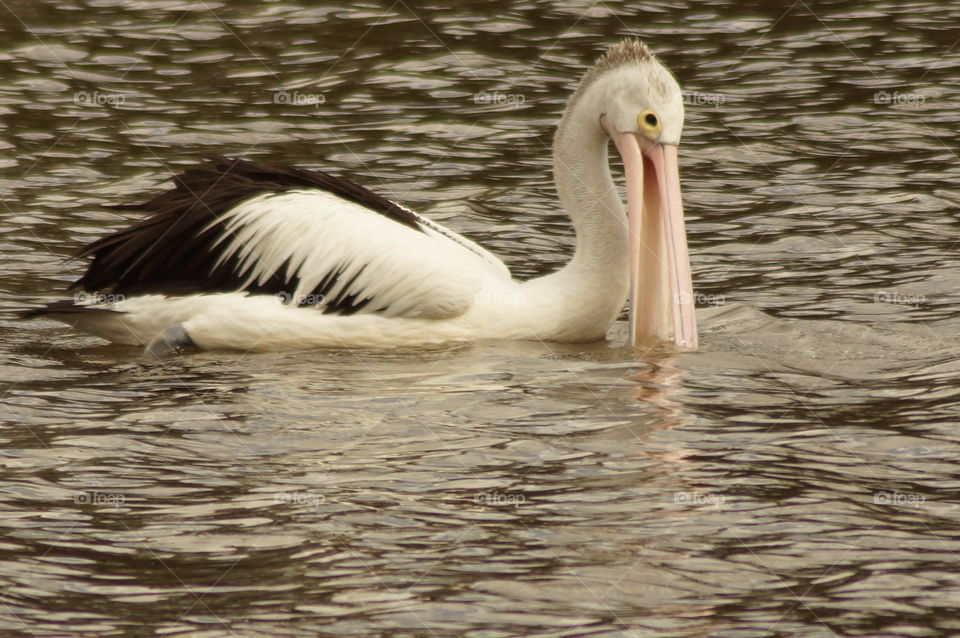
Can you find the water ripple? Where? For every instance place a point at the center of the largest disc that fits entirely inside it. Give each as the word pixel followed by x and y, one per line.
pixel 795 477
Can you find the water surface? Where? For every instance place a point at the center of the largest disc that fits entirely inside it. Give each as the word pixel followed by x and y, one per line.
pixel 796 477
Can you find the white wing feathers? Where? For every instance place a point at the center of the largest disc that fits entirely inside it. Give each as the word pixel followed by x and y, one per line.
pixel 330 249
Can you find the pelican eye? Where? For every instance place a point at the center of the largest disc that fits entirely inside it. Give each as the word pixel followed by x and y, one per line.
pixel 648 122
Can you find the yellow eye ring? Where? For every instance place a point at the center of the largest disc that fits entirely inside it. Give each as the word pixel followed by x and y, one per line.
pixel 649 122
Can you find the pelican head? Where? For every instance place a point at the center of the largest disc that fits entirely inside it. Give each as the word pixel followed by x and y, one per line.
pixel 639 106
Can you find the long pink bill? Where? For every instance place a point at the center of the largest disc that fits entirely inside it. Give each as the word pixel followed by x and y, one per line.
pixel 661 304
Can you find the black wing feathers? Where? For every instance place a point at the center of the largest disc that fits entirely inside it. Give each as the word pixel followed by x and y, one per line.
pixel 175 250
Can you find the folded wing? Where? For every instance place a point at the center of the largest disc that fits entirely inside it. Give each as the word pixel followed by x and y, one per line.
pixel 312 239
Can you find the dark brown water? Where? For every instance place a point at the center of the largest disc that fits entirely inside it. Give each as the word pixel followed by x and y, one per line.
pixel 797 477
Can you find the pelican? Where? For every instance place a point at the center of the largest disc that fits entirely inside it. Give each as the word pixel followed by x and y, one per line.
pixel 243 256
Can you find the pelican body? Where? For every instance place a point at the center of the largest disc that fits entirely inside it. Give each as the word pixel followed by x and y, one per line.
pixel 242 256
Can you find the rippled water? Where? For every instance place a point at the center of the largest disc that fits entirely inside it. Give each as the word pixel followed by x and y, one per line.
pixel 796 477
